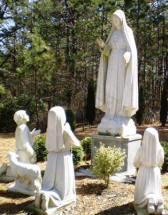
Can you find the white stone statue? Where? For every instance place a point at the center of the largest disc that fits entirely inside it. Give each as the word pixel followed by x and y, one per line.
pixel 58 186
pixel 24 138
pixel 24 142
pixel 149 159
pixel 27 176
pixel 117 84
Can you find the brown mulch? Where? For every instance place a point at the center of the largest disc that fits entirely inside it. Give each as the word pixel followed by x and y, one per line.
pixel 86 131
pixel 92 195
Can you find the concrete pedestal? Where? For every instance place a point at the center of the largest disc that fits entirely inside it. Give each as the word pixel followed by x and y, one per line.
pixel 130 144
pixel 17 187
pixel 118 125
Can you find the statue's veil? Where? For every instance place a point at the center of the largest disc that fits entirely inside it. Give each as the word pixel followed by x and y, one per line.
pixel 55 127
pixel 151 147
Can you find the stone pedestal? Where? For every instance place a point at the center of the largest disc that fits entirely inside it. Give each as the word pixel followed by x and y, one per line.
pixel 130 144
pixel 121 126
pixel 17 187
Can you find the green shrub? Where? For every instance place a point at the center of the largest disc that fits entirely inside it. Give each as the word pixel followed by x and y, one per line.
pixel 7 111
pixel 2 90
pixel 39 147
pixel 87 147
pixel 165 164
pixel 11 105
pixel 108 161
pixel 71 119
pixel 77 153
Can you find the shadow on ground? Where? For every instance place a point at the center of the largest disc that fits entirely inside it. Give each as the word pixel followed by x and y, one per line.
pixel 91 188
pixel 12 208
pixel 166 187
pixel 7 135
pixel 127 209
pixel 12 195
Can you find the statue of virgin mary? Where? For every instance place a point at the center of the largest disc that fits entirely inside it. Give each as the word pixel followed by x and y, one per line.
pixel 117 84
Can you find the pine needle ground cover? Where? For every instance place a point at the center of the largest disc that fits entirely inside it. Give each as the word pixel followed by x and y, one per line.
pixel 92 195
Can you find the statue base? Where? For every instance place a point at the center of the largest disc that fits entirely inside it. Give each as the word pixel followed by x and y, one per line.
pixel 18 188
pixel 129 144
pixel 117 126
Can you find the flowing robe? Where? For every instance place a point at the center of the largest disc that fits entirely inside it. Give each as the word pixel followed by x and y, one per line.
pixel 149 158
pixel 117 83
pixel 59 179
pixel 24 142
pixel 116 71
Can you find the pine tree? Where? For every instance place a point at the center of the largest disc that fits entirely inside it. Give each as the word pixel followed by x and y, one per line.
pixel 51 55
pixel 163 110
pixel 140 115
pixel 90 107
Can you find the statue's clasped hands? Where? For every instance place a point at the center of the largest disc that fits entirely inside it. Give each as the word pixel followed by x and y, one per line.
pixel 127 56
pixel 35 132
pixel 100 43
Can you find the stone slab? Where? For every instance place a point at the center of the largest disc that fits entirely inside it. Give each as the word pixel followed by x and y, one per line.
pixel 19 189
pixel 130 144
pixel 84 173
pixel 122 126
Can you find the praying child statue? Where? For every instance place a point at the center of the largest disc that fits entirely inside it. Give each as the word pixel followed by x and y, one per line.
pixel 24 138
pixel 58 186
pixel 149 159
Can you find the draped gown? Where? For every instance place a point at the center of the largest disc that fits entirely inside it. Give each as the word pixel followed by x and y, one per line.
pixel 59 179
pixel 148 159
pixel 116 73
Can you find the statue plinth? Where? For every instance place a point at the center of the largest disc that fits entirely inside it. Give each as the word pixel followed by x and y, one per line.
pixel 121 126
pixel 130 144
pixel 18 187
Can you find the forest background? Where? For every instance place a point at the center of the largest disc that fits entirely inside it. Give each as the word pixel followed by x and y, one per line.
pixel 49 56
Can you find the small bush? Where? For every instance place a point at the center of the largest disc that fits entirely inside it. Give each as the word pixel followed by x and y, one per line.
pixel 87 147
pixel 77 153
pixel 165 164
pixel 39 147
pixel 108 161
pixel 2 90
pixel 11 105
